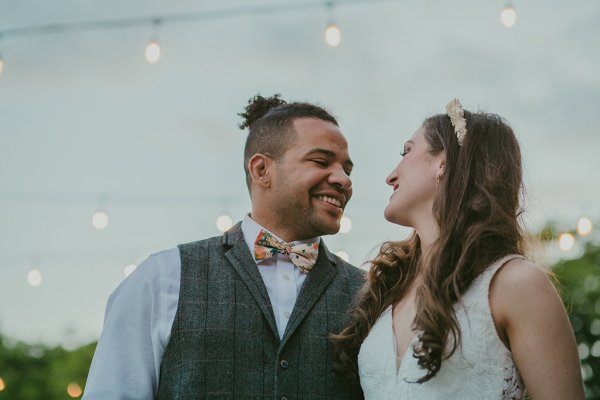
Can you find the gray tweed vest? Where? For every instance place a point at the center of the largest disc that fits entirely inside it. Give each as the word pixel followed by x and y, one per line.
pixel 224 342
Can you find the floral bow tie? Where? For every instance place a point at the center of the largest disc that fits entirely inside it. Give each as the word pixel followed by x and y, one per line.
pixel 303 256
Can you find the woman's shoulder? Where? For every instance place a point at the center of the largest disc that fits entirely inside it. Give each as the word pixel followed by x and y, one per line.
pixel 519 274
pixel 517 288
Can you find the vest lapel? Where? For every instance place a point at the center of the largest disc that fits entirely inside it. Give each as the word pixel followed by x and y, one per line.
pixel 242 261
pixel 315 284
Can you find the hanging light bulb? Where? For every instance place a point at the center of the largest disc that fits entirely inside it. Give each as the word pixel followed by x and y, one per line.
pixel 508 16
pixel 152 52
pixel 100 220
pixel 153 48
pixel 34 277
pixel 333 35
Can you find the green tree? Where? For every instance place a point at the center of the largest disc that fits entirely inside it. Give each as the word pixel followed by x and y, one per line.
pixel 579 284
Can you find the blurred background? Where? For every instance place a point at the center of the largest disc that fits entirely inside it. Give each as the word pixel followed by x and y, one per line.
pixel 119 138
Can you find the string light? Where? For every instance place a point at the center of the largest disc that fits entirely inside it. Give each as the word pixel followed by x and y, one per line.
pixel 129 268
pixel 584 226
pixel 566 241
pixel 100 220
pixel 34 277
pixel 224 222
pixel 333 35
pixel 153 47
pixel 345 225
pixel 152 52
pixel 343 255
pixel 74 390
pixel 2 384
pixel 508 16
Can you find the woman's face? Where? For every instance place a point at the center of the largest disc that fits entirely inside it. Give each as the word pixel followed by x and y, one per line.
pixel 414 183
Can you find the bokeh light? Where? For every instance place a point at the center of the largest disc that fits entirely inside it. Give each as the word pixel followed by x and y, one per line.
pixel 224 222
pixel 343 255
pixel 129 268
pixel 508 16
pixel 333 35
pixel 34 277
pixel 345 225
pixel 152 52
pixel 584 226
pixel 100 220
pixel 566 241
pixel 74 390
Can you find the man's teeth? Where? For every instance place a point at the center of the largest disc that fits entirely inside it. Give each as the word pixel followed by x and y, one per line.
pixel 331 200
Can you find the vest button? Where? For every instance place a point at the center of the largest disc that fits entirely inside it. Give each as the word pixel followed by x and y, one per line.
pixel 284 364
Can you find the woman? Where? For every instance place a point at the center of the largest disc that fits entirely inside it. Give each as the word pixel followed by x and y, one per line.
pixel 456 311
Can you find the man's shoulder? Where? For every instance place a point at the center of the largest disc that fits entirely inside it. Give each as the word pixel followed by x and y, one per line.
pixel 201 243
pixel 349 270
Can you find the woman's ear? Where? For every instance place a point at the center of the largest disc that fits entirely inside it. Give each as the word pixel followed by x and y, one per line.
pixel 259 167
pixel 442 167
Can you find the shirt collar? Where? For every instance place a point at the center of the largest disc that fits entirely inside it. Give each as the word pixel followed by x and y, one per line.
pixel 251 229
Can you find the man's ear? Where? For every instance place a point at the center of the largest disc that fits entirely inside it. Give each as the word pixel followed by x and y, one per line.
pixel 259 168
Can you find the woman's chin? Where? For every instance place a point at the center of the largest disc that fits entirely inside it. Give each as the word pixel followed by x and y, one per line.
pixel 390 215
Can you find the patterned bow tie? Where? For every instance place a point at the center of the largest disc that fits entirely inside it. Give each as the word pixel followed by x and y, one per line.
pixel 303 256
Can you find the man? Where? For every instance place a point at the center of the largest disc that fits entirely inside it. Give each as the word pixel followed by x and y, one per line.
pixel 246 315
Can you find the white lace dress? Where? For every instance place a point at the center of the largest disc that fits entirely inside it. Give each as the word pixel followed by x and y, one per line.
pixel 481 368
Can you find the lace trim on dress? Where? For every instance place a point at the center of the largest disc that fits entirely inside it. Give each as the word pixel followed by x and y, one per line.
pixel 513 384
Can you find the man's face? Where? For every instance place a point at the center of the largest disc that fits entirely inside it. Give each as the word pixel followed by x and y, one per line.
pixel 311 182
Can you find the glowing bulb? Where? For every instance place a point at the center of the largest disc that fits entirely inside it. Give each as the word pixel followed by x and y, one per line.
pixel 100 220
pixel 333 36
pixel 584 226
pixel 566 241
pixel 34 277
pixel 343 255
pixel 508 17
pixel 345 225
pixel 129 268
pixel 152 52
pixel 224 222
pixel 74 390
pixel 1 65
pixel 2 385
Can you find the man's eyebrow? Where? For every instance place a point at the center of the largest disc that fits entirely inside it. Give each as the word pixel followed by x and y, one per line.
pixel 409 142
pixel 329 154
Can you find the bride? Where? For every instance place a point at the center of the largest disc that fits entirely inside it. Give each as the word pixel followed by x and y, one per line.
pixel 456 311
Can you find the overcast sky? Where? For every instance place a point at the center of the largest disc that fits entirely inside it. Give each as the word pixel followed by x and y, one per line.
pixel 87 123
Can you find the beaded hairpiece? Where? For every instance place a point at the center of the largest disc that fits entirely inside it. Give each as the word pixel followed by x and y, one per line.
pixel 457 117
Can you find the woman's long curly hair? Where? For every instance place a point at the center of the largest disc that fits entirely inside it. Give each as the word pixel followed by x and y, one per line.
pixel 477 208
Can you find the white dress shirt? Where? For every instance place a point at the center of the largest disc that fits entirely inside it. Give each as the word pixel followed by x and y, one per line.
pixel 140 313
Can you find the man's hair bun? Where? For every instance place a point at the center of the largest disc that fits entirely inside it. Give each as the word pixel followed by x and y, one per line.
pixel 258 107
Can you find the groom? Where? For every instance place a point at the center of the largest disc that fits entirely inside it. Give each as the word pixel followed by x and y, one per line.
pixel 246 315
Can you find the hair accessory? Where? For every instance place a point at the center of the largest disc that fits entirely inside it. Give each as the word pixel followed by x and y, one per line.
pixel 457 117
